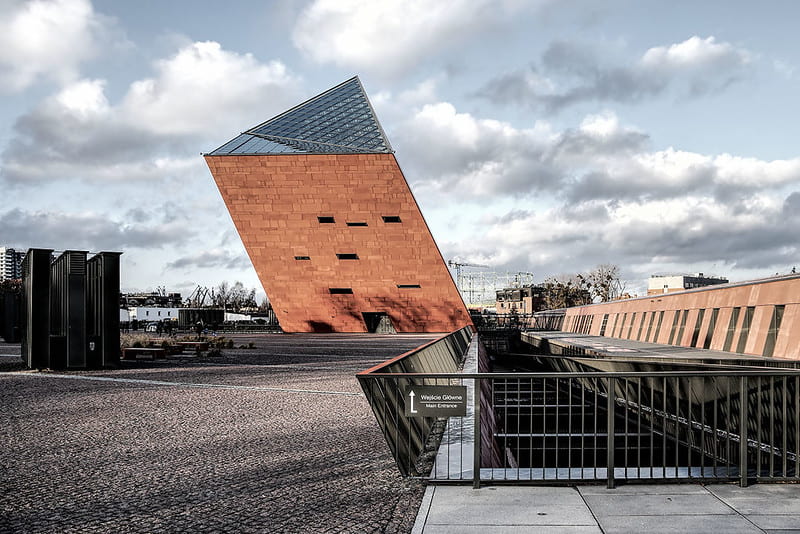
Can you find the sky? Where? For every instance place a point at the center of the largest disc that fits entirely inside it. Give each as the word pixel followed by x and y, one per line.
pixel 543 136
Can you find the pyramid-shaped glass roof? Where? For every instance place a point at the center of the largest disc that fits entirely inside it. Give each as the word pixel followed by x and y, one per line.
pixel 338 121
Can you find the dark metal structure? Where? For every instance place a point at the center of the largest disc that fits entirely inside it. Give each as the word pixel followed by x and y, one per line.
pixel 410 438
pixel 36 308
pixel 10 317
pixel 207 317
pixel 592 420
pixel 70 310
pixel 102 290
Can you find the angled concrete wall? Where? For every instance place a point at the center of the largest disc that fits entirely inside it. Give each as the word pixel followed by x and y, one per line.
pixel 276 202
pixel 759 317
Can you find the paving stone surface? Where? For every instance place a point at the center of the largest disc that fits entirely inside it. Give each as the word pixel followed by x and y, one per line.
pixel 261 450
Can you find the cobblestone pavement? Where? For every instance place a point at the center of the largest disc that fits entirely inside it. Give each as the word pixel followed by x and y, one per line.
pixel 261 448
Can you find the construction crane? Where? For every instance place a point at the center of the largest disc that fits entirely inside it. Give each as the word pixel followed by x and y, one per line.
pixel 457 266
pixel 480 287
pixel 467 293
pixel 198 297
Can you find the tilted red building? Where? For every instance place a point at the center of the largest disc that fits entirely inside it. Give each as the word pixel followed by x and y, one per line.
pixel 330 224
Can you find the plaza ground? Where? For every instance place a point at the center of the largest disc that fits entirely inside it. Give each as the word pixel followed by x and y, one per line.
pixel 277 438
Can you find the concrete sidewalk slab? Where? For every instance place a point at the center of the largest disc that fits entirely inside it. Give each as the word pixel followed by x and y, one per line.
pixel 782 499
pixel 630 524
pixel 667 508
pixel 772 507
pixel 504 509
pixel 674 503
pixel 640 489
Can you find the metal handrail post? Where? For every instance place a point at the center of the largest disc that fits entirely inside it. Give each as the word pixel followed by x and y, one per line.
pixel 476 451
pixel 743 431
pixel 611 388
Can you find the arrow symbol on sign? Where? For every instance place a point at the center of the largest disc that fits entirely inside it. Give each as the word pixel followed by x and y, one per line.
pixel 412 395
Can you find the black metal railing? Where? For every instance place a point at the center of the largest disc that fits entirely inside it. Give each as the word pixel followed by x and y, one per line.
pixel 549 320
pixel 413 441
pixel 591 426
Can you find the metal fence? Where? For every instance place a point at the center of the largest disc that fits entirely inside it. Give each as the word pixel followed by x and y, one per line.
pixel 593 426
pixel 541 320
pixel 413 441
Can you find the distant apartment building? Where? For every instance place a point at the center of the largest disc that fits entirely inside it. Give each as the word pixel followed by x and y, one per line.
pixel 11 263
pixel 671 283
pixel 525 299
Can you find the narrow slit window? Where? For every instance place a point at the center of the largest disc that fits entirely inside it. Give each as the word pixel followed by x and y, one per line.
pixel 347 256
pixel 681 327
pixel 326 220
pixel 745 333
pixel 675 319
pixel 341 290
pixel 712 324
pixel 408 286
pixel 650 326
pixel 302 258
pixel 774 328
pixel 731 329
pixel 391 219
pixel 622 326
pixel 658 326
pixel 697 325
pixel 641 326
pixel 630 326
pixel 357 224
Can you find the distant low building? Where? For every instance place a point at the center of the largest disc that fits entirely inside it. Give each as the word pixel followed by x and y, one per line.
pixel 525 299
pixel 152 313
pixel 11 263
pixel 670 283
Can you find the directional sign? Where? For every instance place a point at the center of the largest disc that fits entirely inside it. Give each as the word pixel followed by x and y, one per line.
pixel 435 401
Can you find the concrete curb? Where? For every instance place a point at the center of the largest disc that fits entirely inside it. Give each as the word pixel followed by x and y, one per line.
pixel 424 508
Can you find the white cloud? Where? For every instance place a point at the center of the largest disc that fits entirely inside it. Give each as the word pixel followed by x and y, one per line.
pixel 601 125
pixel 203 87
pixel 569 73
pixel 695 52
pixel 461 156
pixel 46 39
pixel 90 230
pixel 638 235
pixel 466 155
pixel 200 97
pixel 751 172
pixel 390 36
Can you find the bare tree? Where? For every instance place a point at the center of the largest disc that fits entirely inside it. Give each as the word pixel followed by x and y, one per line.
pixel 234 297
pixel 565 291
pixel 603 282
pixel 221 295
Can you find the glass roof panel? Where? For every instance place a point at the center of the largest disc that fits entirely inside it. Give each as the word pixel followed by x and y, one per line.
pixel 340 120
